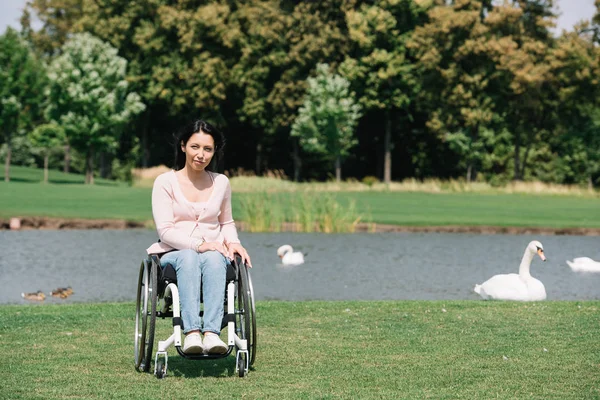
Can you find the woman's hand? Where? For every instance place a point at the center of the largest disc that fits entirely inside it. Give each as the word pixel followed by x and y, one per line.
pixel 239 249
pixel 216 246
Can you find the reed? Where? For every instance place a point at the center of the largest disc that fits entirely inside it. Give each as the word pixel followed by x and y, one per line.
pixel 302 212
pixel 262 212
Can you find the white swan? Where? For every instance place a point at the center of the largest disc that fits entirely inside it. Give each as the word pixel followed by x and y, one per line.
pixel 521 286
pixel 584 264
pixel 289 256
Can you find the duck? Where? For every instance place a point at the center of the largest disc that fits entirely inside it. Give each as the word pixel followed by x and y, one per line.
pixel 584 264
pixel 37 296
pixel 289 256
pixel 519 287
pixel 63 293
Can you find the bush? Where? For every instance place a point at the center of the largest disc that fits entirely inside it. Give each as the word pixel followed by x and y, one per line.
pixel 370 180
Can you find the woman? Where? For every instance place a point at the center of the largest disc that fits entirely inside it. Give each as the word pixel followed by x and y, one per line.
pixel 191 206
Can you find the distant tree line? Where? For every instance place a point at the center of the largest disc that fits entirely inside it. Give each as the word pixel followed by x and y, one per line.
pixel 394 89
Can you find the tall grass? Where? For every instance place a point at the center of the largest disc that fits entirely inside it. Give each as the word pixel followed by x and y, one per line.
pixel 305 212
pixel 276 181
pixel 262 212
pixel 248 184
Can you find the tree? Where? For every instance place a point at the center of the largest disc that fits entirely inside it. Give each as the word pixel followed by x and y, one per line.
pixel 520 43
pixel 88 96
pixel 328 117
pixel 455 75
pixel 378 64
pixel 575 68
pixel 59 20
pixel 261 44
pixel 47 137
pixel 22 79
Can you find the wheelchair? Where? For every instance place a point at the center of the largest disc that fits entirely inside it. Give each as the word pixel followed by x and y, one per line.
pixel 158 297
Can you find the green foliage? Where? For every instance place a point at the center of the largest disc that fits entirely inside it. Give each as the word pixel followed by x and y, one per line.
pixel 22 80
pixel 60 21
pixel 22 152
pixel 370 180
pixel 48 137
pixel 89 96
pixel 422 70
pixel 488 152
pixel 326 121
pixel 21 84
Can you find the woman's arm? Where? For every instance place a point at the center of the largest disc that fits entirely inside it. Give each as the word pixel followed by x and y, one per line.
pixel 228 228
pixel 229 231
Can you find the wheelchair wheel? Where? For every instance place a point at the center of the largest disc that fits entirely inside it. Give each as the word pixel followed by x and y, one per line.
pixel 241 365
pixel 246 318
pixel 145 316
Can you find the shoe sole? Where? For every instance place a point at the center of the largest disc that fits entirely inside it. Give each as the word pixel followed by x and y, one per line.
pixel 216 350
pixel 194 350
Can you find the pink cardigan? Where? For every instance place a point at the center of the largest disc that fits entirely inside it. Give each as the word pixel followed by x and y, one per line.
pixel 178 223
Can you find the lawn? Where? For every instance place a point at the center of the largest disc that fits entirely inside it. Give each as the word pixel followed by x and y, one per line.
pixel 66 197
pixel 325 350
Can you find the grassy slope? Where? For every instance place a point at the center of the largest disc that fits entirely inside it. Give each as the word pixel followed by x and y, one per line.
pixel 407 208
pixel 66 197
pixel 406 349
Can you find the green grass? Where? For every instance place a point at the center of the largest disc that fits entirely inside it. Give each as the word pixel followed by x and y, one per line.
pixel 524 210
pixel 325 350
pixel 67 198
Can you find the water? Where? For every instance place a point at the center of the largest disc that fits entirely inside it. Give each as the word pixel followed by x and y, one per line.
pixel 103 265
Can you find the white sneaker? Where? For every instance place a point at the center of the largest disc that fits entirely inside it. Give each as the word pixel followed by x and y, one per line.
pixel 214 345
pixel 193 344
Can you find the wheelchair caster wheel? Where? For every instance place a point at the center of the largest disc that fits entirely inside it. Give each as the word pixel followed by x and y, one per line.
pixel 241 366
pixel 161 370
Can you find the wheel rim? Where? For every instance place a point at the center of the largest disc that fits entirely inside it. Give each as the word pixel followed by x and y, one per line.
pixel 141 317
pixel 246 314
pixel 252 319
pixel 151 298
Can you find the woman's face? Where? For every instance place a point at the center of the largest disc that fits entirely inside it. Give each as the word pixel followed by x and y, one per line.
pixel 199 151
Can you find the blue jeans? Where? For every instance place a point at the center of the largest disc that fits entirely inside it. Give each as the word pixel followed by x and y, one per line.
pixel 208 269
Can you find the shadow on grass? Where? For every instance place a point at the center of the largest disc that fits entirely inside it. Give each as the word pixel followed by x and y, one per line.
pixel 62 181
pixel 22 180
pixel 70 182
pixel 220 367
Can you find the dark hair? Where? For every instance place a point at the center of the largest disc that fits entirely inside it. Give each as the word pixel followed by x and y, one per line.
pixel 199 126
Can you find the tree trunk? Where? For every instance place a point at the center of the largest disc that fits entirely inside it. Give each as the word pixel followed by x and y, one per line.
pixel 46 157
pixel 297 161
pixel 104 165
pixel 524 162
pixel 144 140
pixel 387 150
pixel 469 169
pixel 590 182
pixel 67 161
pixel 89 168
pixel 517 159
pixel 7 163
pixel 258 159
pixel 338 169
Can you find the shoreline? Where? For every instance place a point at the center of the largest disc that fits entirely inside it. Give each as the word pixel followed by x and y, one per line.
pixel 48 223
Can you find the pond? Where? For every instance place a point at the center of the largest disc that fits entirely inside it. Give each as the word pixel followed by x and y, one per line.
pixel 103 265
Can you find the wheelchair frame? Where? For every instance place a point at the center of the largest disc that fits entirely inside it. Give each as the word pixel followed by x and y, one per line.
pixel 158 296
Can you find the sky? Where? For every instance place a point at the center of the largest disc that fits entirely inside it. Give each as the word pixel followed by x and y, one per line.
pixel 572 11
